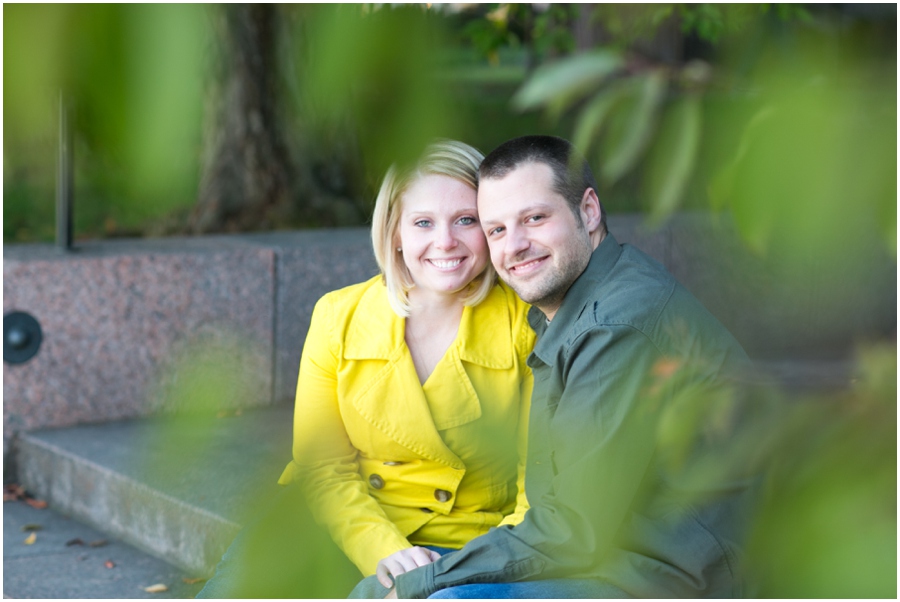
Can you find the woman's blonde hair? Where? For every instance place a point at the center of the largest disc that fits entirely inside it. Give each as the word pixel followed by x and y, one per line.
pixel 443 158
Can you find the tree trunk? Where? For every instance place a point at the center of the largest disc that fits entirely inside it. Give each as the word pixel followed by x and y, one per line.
pixel 245 182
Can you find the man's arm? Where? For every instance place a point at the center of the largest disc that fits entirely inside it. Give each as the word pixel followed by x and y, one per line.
pixel 600 444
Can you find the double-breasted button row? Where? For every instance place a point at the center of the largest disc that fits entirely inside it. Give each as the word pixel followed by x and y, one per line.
pixel 441 495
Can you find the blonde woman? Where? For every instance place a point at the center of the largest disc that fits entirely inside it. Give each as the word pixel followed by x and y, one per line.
pixel 413 392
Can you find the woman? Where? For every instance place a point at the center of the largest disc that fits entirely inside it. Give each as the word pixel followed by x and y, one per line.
pixel 409 381
pixel 413 391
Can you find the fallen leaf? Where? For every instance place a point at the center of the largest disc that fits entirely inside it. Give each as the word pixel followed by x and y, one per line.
pixel 98 544
pixel 12 491
pixel 192 580
pixel 32 527
pixel 75 542
pixel 665 367
pixel 31 539
pixel 39 504
pixel 159 587
pixel 109 564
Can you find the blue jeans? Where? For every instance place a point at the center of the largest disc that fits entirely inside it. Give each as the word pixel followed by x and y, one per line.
pixel 546 589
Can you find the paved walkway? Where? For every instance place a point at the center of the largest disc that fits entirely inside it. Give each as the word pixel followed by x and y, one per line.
pixel 62 562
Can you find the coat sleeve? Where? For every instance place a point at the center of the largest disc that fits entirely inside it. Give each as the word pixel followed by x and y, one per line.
pixel 325 461
pixel 600 445
pixel 524 338
pixel 522 449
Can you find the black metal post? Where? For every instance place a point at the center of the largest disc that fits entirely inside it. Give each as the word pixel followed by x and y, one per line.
pixel 65 178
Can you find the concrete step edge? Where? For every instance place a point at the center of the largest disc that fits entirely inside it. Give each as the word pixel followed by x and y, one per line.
pixel 182 534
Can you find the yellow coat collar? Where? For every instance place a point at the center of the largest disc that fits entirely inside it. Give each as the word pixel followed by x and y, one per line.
pixel 485 335
pixel 394 401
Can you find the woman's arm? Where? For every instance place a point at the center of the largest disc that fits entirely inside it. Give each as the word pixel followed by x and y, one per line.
pixel 325 461
pixel 522 448
pixel 523 338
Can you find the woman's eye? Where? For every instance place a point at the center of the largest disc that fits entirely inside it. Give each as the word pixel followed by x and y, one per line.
pixel 466 221
pixel 422 223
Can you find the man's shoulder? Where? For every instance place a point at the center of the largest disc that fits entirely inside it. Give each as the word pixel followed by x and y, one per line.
pixel 634 293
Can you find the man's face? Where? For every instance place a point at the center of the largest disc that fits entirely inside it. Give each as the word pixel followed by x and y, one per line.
pixel 537 244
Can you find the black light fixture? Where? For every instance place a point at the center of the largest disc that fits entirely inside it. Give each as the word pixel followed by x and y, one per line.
pixel 22 337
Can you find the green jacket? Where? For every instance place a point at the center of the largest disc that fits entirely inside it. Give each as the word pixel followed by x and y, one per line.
pixel 609 500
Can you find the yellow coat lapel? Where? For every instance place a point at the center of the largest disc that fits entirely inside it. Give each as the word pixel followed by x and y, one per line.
pixel 484 339
pixel 393 400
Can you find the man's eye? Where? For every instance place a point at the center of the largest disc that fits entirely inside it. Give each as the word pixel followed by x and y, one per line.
pixel 535 218
pixel 466 221
pixel 495 231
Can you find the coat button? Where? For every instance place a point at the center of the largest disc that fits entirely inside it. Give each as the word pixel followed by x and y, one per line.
pixel 376 481
pixel 442 495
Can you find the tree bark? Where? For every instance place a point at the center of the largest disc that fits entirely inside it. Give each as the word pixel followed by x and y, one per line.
pixel 245 182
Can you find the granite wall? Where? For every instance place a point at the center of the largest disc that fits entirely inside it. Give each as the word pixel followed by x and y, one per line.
pixel 133 327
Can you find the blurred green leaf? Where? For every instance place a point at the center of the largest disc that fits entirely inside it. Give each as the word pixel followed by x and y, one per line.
pixel 31 87
pixel 380 69
pixel 593 116
pixel 670 163
pixel 559 84
pixel 632 126
pixel 134 75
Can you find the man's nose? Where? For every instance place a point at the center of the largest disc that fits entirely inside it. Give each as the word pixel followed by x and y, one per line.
pixel 516 242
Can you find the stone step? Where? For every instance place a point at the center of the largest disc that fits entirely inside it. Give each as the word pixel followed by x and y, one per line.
pixel 51 556
pixel 178 488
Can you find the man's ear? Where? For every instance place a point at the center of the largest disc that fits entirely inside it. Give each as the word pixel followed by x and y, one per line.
pixel 590 210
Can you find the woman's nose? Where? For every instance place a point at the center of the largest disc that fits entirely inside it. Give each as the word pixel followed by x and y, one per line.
pixel 445 239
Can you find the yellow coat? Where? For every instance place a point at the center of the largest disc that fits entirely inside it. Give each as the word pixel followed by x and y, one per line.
pixel 388 462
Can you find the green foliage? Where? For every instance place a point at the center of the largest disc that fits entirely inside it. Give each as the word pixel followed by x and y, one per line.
pixel 542 31
pixel 827 526
pixel 817 161
pixel 380 70
pixel 560 84
pixel 630 24
pixel 134 73
pixel 824 521
pixel 671 162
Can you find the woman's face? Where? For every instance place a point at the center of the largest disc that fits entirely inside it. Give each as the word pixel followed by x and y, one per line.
pixel 443 245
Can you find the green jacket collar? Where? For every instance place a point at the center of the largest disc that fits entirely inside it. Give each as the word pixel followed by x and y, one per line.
pixel 553 336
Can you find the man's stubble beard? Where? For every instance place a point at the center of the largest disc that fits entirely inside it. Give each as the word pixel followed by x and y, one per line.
pixel 548 294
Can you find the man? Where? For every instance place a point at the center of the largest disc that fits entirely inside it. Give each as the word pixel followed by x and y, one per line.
pixel 616 510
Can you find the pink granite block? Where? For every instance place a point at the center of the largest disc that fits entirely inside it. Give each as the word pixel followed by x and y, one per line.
pixel 122 321
pixel 311 264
